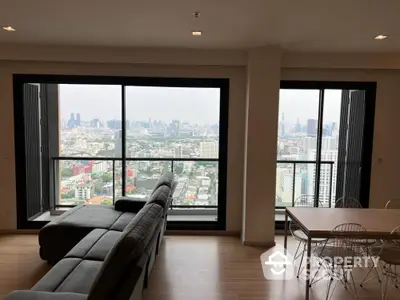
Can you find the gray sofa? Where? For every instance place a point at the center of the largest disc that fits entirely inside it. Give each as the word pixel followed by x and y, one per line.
pixel 105 264
pixel 58 237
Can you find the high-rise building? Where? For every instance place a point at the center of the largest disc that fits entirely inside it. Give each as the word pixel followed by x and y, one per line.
pixel 118 143
pixel 83 192
pixel 325 175
pixel 282 125
pixel 298 126
pixel 209 149
pixel 284 185
pixel 175 128
pixel 178 151
pixel 312 127
pixel 78 119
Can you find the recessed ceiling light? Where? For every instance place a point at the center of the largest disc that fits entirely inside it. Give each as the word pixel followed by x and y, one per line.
pixel 8 28
pixel 380 37
pixel 196 33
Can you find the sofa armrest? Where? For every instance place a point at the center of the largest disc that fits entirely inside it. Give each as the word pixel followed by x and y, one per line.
pixel 38 295
pixel 130 204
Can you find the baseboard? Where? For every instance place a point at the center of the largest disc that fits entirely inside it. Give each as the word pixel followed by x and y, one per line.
pixel 19 231
pixel 203 232
pixel 259 244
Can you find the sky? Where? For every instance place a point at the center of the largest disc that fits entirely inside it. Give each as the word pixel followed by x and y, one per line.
pixel 303 104
pixel 194 105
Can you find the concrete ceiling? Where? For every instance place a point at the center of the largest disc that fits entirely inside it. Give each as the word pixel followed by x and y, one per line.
pixel 298 25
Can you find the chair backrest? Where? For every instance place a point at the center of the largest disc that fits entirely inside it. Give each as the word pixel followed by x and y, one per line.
pixel 396 235
pixel 306 201
pixel 393 204
pixel 347 202
pixel 351 244
pixel 303 201
pixel 127 260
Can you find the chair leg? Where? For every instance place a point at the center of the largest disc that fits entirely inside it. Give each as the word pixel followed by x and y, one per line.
pixel 301 261
pixel 315 275
pixel 354 284
pixel 297 250
pixel 385 287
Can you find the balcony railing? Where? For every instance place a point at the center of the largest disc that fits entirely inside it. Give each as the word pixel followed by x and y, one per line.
pixel 296 170
pixel 114 166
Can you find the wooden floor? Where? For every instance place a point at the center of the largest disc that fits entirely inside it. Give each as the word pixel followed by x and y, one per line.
pixel 188 268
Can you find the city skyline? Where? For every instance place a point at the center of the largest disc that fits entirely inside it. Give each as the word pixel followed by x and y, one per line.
pixel 303 105
pixel 142 103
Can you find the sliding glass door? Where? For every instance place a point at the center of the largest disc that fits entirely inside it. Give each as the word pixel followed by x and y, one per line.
pixel 324 142
pixel 100 138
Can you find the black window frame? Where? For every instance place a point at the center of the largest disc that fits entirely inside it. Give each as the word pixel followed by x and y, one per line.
pixel 370 88
pixel 185 82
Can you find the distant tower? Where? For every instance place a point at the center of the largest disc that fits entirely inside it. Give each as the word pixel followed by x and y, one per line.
pixel 298 126
pixel 311 127
pixel 71 121
pixel 282 125
pixel 118 143
pixel 78 119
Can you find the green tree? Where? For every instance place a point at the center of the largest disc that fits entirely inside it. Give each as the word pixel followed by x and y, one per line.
pixel 107 202
pixel 178 169
pixel 67 172
pixel 95 176
pixel 98 188
pixel 69 195
pixel 106 177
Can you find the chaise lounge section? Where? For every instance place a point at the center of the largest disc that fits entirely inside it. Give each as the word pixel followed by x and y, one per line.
pixel 58 237
pixel 105 265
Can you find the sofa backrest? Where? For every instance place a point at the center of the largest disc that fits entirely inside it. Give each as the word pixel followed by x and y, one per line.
pixel 127 260
pixel 167 178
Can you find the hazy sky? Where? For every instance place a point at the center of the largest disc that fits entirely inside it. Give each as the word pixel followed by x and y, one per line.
pixel 303 104
pixel 194 105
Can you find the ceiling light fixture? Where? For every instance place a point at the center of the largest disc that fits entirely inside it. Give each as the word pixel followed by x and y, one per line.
pixel 196 33
pixel 196 14
pixel 380 37
pixel 8 28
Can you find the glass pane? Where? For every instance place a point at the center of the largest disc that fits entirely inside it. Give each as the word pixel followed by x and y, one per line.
pixel 172 122
pixel 142 176
pixel 197 183
pixel 85 182
pixel 329 146
pixel 297 141
pixel 90 120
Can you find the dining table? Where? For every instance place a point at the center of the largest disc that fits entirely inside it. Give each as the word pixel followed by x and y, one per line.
pixel 318 222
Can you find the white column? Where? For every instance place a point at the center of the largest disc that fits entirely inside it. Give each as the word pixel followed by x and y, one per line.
pixel 263 83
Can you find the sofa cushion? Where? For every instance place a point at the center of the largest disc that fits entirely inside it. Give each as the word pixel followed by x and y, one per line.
pixel 93 216
pixel 55 277
pixel 123 221
pixel 128 204
pixel 96 245
pixel 81 278
pixel 129 253
pixel 103 246
pixel 69 275
pixel 61 235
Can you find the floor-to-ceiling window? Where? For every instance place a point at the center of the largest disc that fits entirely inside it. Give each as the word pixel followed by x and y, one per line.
pixel 90 140
pixel 324 142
